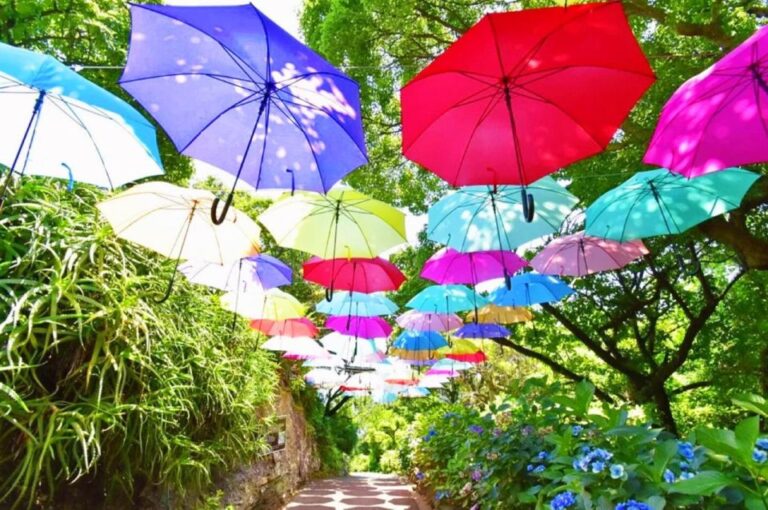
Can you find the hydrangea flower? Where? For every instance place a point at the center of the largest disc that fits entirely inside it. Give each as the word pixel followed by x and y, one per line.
pixel 563 500
pixel 617 471
pixel 685 450
pixel 477 474
pixel 477 429
pixel 687 475
pixel 593 459
pixel 542 455
pixel 669 476
pixel 762 443
pixel 759 456
pixel 576 430
pixel 598 466
pixel 430 434
pixel 420 475
pixel 633 505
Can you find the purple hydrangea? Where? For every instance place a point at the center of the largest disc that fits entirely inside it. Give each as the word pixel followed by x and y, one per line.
pixel 477 474
pixel 477 429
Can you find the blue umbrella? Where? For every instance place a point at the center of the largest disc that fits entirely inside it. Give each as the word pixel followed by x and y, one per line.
pixel 58 124
pixel 446 299
pixel 357 304
pixel 232 88
pixel 262 270
pixel 482 330
pixel 419 341
pixel 530 289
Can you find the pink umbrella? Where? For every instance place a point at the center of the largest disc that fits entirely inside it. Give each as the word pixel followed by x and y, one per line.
pixel 450 266
pixel 361 327
pixel 580 255
pixel 718 118
pixel 424 321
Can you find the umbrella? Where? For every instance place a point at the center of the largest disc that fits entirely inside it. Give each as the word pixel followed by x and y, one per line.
pixel 501 314
pixel 479 218
pixel 355 303
pixel 324 377
pixel 659 202
pixel 175 222
pixel 446 299
pixel 579 255
pixel 450 266
pixel 433 381
pixel 355 274
pixel 342 223
pixel 286 327
pixel 353 348
pixel 524 93
pixel 531 289
pixel 58 124
pixel 299 345
pixel 262 270
pixel 419 341
pixel 448 367
pixel 717 119
pixel 482 330
pixel 274 114
pixel 414 392
pixel 273 304
pixel 425 321
pixel 363 327
pixel 464 350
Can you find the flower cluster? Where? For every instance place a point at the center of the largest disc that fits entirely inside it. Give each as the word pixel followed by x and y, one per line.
pixel 592 459
pixel 760 453
pixel 477 429
pixel 669 475
pixel 430 434
pixel 685 450
pixel 633 505
pixel 576 430
pixel 477 474
pixel 535 467
pixel 563 500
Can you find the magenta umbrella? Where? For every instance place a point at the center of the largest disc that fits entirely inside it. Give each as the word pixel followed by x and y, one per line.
pixel 450 266
pixel 718 118
pixel 425 321
pixel 580 255
pixel 360 327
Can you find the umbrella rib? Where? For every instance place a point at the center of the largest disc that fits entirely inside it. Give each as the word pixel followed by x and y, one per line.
pixel 483 116
pixel 241 102
pixel 554 70
pixel 757 90
pixel 214 76
pixel 642 193
pixel 299 77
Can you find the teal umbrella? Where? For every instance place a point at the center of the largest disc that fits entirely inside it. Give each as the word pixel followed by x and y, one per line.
pixel 446 299
pixel 357 304
pixel 482 218
pixel 659 202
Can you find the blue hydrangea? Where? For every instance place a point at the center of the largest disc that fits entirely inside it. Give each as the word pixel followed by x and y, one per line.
pixel 687 475
pixel 563 500
pixel 430 434
pixel 542 455
pixel 617 471
pixel 477 429
pixel 598 466
pixel 685 450
pixel 669 476
pixel 759 456
pixel 576 430
pixel 592 459
pixel 633 505
pixel 762 443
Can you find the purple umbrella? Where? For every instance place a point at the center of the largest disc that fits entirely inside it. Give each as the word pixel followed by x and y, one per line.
pixel 450 266
pixel 232 88
pixel 425 321
pixel 360 327
pixel 482 330
pixel 718 118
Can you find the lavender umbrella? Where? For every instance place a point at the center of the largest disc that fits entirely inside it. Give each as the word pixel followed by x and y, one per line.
pixel 232 88
pixel 262 270
pixel 482 330
pixel 579 255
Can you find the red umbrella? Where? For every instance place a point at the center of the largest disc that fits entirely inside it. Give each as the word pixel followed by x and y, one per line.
pixel 354 274
pixel 475 357
pixel 360 327
pixel 524 93
pixel 301 327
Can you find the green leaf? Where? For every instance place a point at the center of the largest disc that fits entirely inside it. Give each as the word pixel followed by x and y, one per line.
pixel 661 457
pixel 704 483
pixel 14 396
pixel 752 402
pixel 656 502
pixel 747 432
pixel 585 392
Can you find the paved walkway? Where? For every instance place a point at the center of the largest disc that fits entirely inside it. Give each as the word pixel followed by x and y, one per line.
pixel 359 491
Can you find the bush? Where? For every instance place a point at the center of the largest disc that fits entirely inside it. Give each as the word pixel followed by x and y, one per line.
pixel 360 463
pixel 390 462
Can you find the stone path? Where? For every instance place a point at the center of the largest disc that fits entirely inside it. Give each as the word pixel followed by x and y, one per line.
pixel 359 491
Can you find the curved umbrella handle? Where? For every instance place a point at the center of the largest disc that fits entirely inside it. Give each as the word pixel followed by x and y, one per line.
pixel 329 294
pixel 215 218
pixel 507 280
pixel 168 289
pixel 528 205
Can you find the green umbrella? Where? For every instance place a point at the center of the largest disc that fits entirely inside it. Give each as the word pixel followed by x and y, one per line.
pixel 659 202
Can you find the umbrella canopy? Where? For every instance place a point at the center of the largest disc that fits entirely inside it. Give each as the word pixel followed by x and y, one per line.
pixel 262 270
pixel 433 381
pixel 524 93
pixel 273 304
pixel 501 314
pixel 356 303
pixel 470 357
pixel 354 274
pixel 448 367
pixel 717 119
pixel 451 266
pixel 300 345
pixel 659 202
pixel 363 327
pixel 446 299
pixel 482 330
pixel 579 255
pixel 419 341
pixel 418 358
pixel 275 113
pixel 414 392
pixel 425 321
pixel 531 289
pixel 343 223
pixel 300 327
pixel 324 377
pixel 58 124
pixel 350 348
pixel 481 218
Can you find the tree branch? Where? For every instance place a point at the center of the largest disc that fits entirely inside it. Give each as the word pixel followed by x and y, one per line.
pixel 690 387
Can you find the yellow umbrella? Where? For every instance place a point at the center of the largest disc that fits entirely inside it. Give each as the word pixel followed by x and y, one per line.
pixel 176 222
pixel 273 304
pixel 493 314
pixel 416 356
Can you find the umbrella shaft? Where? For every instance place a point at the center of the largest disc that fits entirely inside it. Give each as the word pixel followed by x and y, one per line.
pixel 516 140
pixel 35 113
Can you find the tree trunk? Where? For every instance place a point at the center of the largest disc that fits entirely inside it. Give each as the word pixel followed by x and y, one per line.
pixel 664 408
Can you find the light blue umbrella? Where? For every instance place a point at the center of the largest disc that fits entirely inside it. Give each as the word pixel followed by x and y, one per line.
pixel 530 289
pixel 482 218
pixel 58 124
pixel 659 202
pixel 419 341
pixel 357 304
pixel 446 299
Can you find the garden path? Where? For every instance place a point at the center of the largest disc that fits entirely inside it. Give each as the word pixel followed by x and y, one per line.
pixel 359 491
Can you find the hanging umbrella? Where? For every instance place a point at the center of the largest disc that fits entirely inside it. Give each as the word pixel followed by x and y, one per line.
pixel 419 341
pixel 524 93
pixel 425 321
pixel 531 289
pixel 176 223
pixel 446 299
pixel 262 270
pixel 363 327
pixel 482 330
pixel 580 255
pixel 466 351
pixel 274 114
pixel 356 303
pixel 286 327
pixel 58 124
pixel 448 367
pixel 351 348
pixel 659 202
pixel 480 218
pixel 718 118
pixel 299 345
pixel 414 392
pixel 433 381
pixel 324 377
pixel 450 266
pixel 501 314
pixel 342 223
pixel 273 304
pixel 354 274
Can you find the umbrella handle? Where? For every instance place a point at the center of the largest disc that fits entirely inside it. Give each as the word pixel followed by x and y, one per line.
pixel 293 180
pixel 215 218
pixel 507 281
pixel 168 289
pixel 329 294
pixel 528 205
